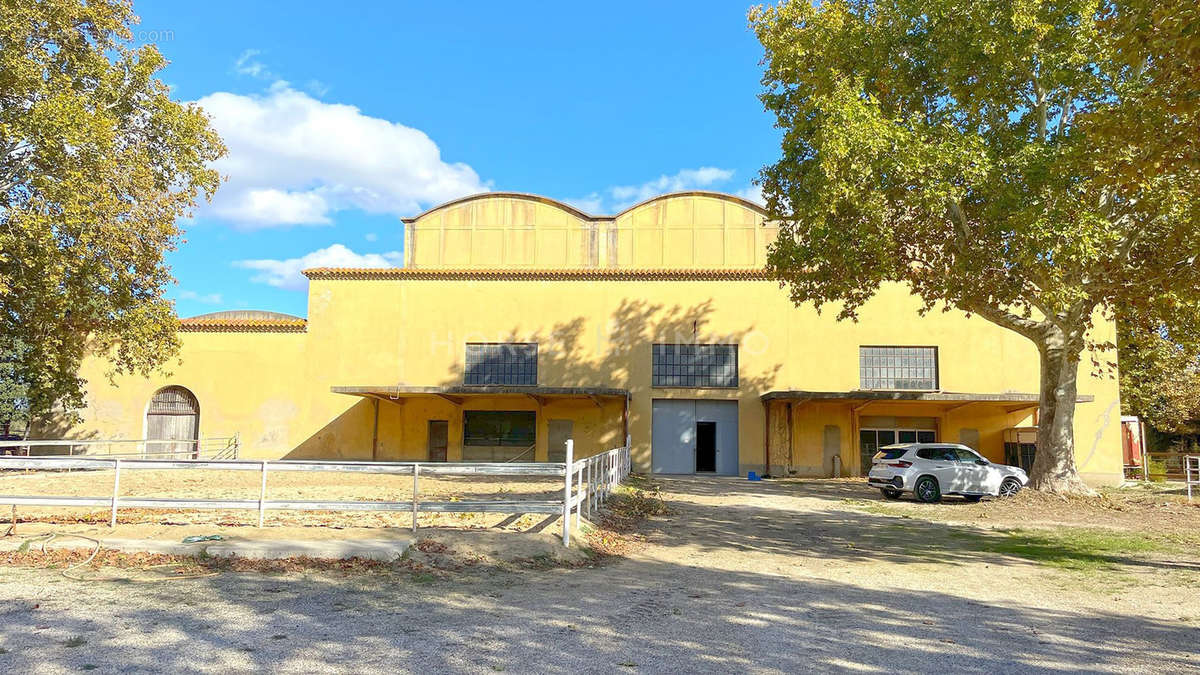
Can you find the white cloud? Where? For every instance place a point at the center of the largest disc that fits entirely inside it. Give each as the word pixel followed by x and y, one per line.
pixel 371 236
pixel 296 160
pixel 207 298
pixel 247 64
pixel 270 206
pixel 752 193
pixel 619 197
pixel 287 273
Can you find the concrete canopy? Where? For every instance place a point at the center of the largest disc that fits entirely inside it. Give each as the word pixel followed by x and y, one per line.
pixel 457 393
pixel 1012 401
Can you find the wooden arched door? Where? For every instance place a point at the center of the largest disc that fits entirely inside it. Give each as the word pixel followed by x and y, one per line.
pixel 173 415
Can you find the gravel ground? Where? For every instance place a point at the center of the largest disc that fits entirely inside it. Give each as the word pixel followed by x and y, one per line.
pixel 762 577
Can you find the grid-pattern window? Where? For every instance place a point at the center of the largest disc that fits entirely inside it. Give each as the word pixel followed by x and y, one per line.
pixel 695 366
pixel 898 368
pixel 511 363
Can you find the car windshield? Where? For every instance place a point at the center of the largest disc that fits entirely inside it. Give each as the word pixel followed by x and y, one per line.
pixel 891 453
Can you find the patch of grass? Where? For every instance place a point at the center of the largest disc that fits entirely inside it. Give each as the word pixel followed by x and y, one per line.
pixel 877 508
pixel 1075 549
pixel 75 641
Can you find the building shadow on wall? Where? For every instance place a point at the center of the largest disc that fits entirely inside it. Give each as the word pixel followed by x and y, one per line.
pixel 332 442
pixel 584 352
pixel 578 352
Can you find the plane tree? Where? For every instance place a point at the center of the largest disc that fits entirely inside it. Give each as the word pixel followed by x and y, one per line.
pixel 97 163
pixel 1034 163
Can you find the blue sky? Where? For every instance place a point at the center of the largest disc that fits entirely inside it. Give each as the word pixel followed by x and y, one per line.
pixel 343 118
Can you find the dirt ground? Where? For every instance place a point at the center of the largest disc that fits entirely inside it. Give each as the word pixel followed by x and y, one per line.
pixel 140 523
pixel 1162 507
pixel 777 576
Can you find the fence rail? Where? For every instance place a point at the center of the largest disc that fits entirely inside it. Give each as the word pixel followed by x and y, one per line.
pixel 587 484
pixel 225 447
pixel 1191 466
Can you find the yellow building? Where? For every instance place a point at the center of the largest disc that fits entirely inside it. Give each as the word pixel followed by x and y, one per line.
pixel 518 322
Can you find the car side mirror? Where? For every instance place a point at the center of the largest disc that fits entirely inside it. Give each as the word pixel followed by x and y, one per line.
pixel 982 462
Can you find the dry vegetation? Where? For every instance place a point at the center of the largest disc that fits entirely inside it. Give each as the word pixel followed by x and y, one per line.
pixel 618 529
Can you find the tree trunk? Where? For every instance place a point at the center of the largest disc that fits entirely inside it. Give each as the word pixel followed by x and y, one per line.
pixel 1054 465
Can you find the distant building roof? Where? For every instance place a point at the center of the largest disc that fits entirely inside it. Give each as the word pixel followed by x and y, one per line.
pixel 579 213
pixel 243 321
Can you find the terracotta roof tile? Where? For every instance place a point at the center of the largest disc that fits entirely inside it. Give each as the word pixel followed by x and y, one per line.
pixel 211 325
pixel 561 274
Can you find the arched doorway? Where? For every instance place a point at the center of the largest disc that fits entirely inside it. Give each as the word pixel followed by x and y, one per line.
pixel 173 415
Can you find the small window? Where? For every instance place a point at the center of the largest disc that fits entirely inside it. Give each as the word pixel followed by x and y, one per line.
pixel 707 366
pixel 898 368
pixel 509 363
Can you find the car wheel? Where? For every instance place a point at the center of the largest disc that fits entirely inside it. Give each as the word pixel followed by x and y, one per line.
pixel 890 494
pixel 1010 487
pixel 927 490
pixel 972 498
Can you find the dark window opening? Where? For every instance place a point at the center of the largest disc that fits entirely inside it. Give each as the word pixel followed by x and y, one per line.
pixel 511 428
pixel 1020 454
pixel 513 363
pixel 706 446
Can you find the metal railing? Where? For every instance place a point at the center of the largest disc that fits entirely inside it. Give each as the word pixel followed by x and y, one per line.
pixel 587 483
pixel 1191 467
pixel 225 447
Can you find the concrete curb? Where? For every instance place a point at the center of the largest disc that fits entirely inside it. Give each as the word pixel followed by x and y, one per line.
pixel 335 549
pixel 256 549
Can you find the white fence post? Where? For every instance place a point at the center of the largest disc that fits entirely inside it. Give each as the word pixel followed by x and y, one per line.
pixel 566 514
pixel 112 520
pixel 579 498
pixel 416 504
pixel 262 495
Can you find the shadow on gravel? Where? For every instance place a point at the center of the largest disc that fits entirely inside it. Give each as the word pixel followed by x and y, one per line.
pixel 634 614
pixel 644 614
pixel 747 516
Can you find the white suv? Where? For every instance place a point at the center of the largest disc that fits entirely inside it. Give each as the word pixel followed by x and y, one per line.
pixel 930 470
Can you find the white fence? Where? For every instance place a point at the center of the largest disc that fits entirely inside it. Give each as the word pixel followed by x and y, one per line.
pixel 1191 467
pixel 587 483
pixel 225 447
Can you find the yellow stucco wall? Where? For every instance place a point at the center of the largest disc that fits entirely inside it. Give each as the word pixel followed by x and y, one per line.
pixel 274 389
pixel 690 230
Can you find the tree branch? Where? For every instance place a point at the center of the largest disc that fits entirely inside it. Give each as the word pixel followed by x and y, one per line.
pixel 1027 327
